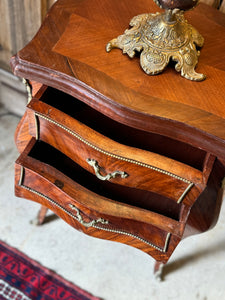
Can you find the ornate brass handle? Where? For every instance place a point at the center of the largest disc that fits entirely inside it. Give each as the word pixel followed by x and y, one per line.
pixel 95 224
pixel 82 222
pixel 94 164
pixel 162 37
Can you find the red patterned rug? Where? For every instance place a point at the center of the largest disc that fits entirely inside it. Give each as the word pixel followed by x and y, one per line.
pixel 21 278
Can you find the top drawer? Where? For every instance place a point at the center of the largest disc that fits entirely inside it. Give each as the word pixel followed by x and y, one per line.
pixel 76 130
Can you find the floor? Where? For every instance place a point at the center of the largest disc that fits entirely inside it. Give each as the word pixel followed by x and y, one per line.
pixel 108 270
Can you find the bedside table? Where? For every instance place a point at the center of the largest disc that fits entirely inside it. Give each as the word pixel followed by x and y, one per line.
pixel 116 153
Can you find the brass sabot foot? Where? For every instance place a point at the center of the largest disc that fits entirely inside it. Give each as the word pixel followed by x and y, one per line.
pixel 159 38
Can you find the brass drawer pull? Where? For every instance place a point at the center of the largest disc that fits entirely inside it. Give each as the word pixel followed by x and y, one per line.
pixel 94 164
pixel 94 223
pixel 82 222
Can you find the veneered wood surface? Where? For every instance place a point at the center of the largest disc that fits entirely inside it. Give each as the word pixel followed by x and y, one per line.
pixel 48 181
pixel 53 125
pixel 22 135
pixel 40 178
pixel 74 60
pixel 205 212
pixel 89 199
pixel 69 54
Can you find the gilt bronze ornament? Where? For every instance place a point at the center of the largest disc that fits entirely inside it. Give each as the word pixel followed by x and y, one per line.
pixel 161 37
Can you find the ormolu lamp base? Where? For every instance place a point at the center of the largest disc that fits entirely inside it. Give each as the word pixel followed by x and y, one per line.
pixel 159 38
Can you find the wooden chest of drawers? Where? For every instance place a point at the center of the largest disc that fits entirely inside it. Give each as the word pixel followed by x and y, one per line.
pixel 118 160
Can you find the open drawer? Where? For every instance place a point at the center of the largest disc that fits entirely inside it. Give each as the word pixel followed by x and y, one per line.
pixel 75 129
pixel 108 211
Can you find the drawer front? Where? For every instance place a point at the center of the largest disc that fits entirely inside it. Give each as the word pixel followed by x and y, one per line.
pixel 93 214
pixel 103 157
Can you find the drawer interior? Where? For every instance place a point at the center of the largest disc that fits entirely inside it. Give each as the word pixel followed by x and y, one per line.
pixel 138 198
pixel 122 133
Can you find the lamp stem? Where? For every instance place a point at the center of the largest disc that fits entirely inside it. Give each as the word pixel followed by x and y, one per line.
pixel 169 16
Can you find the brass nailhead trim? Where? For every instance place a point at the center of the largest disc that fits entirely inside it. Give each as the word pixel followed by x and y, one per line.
pixel 110 154
pixel 120 157
pixel 163 250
